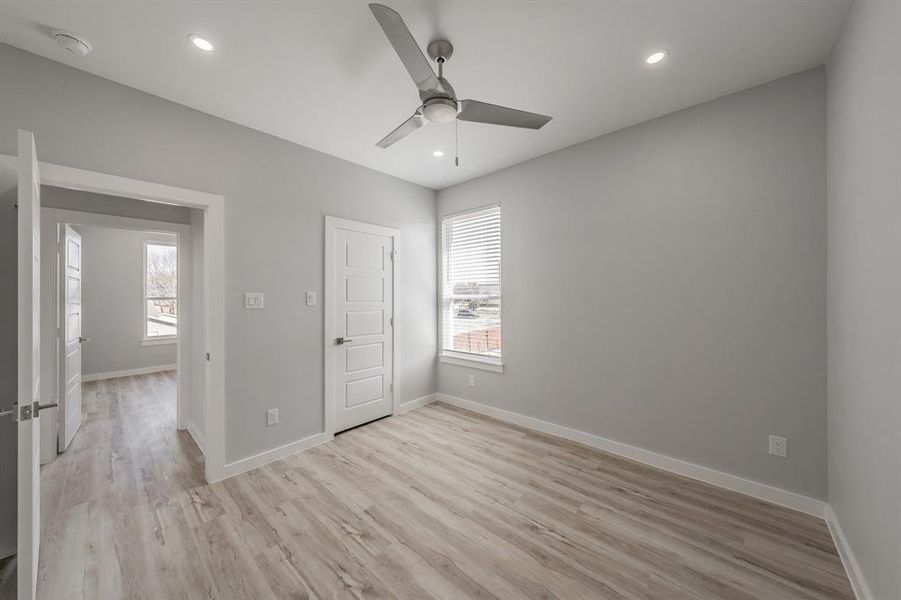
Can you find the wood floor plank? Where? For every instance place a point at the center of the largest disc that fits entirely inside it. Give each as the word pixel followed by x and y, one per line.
pixel 438 504
pixel 563 519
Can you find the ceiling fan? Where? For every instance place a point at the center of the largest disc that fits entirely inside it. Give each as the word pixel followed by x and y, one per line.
pixel 439 102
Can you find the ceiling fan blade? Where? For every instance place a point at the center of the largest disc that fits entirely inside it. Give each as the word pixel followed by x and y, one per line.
pixel 405 129
pixel 482 112
pixel 407 49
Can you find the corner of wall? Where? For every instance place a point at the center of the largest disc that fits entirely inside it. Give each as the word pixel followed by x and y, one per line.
pixel 852 567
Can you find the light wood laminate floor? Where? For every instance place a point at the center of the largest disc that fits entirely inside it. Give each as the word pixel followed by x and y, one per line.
pixel 438 503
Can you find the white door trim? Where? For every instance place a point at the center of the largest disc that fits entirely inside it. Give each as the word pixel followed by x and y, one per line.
pixel 213 277
pixel 331 224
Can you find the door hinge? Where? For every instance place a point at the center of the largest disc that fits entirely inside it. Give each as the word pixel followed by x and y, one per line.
pixel 208 357
pixel 391 321
pixel 391 386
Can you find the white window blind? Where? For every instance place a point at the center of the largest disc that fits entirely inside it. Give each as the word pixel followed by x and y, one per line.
pixel 471 283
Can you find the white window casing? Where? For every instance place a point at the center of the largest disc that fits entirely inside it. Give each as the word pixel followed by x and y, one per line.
pixel 470 310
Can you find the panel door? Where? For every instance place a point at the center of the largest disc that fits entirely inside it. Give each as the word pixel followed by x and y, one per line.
pixel 29 369
pixel 363 312
pixel 70 337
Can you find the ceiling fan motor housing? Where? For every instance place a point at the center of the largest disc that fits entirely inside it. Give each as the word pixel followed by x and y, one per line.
pixel 440 50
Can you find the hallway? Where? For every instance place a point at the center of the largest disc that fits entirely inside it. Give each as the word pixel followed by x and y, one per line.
pixel 98 499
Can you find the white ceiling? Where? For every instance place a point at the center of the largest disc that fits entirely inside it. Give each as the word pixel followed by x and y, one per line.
pixel 322 74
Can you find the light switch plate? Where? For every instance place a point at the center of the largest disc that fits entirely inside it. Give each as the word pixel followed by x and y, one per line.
pixel 311 298
pixel 253 300
pixel 271 416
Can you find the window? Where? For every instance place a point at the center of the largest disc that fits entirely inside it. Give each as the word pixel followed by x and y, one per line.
pixel 471 288
pixel 160 291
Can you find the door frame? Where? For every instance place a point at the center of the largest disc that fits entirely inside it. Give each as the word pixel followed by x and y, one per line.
pixel 209 354
pixel 188 312
pixel 331 225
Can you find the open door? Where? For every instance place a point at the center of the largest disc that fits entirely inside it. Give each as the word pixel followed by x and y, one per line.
pixel 70 339
pixel 28 408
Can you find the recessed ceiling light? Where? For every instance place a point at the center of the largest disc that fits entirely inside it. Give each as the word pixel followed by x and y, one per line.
pixel 201 42
pixel 656 57
pixel 437 153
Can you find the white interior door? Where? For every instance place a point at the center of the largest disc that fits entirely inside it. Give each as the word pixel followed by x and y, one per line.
pixel 29 363
pixel 70 339
pixel 362 313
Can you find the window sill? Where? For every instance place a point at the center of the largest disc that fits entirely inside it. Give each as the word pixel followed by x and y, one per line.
pixel 485 364
pixel 159 341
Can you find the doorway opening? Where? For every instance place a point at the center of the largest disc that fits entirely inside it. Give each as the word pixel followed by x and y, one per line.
pixel 21 529
pixel 112 302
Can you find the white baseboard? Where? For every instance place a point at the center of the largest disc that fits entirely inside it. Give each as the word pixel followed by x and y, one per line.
pixel 852 567
pixel 414 404
pixel 198 437
pixel 755 489
pixel 127 373
pixel 258 460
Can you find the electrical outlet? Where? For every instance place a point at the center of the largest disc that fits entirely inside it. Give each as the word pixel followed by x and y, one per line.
pixel 778 446
pixel 311 298
pixel 271 416
pixel 472 381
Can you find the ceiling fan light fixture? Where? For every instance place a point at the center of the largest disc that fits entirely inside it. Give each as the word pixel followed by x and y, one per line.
pixel 440 110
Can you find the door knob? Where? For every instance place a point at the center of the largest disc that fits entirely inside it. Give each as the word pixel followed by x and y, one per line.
pixel 342 340
pixel 82 340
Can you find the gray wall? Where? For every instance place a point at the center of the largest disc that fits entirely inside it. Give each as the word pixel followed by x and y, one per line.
pixel 54 197
pixel 112 262
pixel 664 285
pixel 277 194
pixel 864 295
pixel 9 449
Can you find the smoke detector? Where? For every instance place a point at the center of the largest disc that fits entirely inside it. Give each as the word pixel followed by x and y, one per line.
pixel 71 42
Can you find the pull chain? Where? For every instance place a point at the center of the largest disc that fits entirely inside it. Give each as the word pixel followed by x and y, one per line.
pixel 457 142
